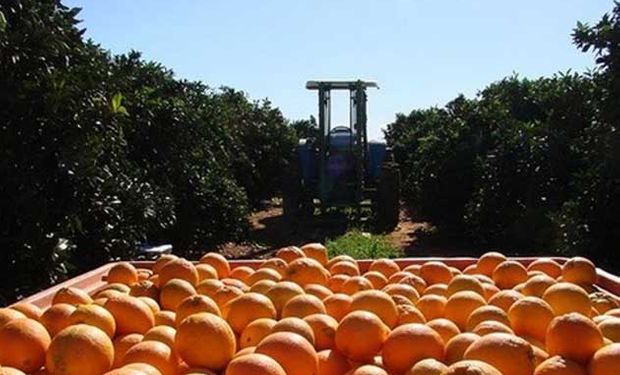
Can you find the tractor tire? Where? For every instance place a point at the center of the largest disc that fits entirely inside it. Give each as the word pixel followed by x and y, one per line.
pixel 387 201
pixel 292 191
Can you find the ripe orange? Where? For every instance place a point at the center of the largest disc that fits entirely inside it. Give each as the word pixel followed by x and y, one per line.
pixel 486 313
pixel 566 330
pixel 471 367
pixel 241 273
pixel 456 346
pixel 123 273
pixel 315 251
pixel 283 292
pixel 174 292
pixel 31 311
pixel 610 328
pixel 7 315
pixel 55 318
pixel 217 261
pixel 244 351
pixel 491 326
pixel 277 264
pixel 246 308
pixel 446 328
pixel 437 289
pixel 415 281
pixel 603 302
pixel 344 268
pixel 387 267
pixel 303 305
pixel 144 369
pixel 72 296
pixel 509 274
pixel 410 343
pixel 161 261
pixel 377 302
pixel 331 362
pixel 510 354
pixel 536 286
pixel 178 269
pixel 319 291
pixel 464 283
pixel 154 353
pixel 427 366
pixel 255 364
pixel 262 286
pixel 559 366
pixel 490 290
pixel 336 282
pixel 295 325
pixel 461 305
pixel 131 314
pixel 340 258
pixel 122 344
pixel 435 273
pixel 195 304
pixel 305 271
pixel 530 316
pixel 264 274
pixel 401 300
pixel 81 350
pixel 23 343
pixel 487 262
pixel 324 328
pixel 432 306
pixel 205 333
pixel 355 284
pixel 293 352
pixel 606 360
pixel 236 283
pixel 472 269
pixel 548 266
pixel 145 288
pixel 377 279
pixel 206 272
pixel 360 335
pixel 568 297
pixel 404 290
pixel 409 314
pixel 256 331
pixel 579 270
pixel 505 298
pixel 367 370
pixel 209 287
pixel 96 316
pixel 338 305
pixel 290 253
pixel 413 268
pixel 165 318
pixel 163 334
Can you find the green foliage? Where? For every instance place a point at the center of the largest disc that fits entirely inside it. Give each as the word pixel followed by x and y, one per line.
pixel 361 245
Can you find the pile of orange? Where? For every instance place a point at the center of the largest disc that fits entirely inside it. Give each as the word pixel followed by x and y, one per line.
pixel 301 313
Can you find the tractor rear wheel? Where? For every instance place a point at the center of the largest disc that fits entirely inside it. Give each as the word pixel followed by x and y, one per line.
pixel 387 201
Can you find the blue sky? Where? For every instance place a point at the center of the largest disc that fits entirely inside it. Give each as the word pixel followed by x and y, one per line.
pixel 421 52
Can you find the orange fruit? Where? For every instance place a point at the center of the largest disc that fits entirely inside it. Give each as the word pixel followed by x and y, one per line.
pixel 163 334
pixel 338 305
pixel 81 350
pixel 151 303
pixel 336 282
pixel 409 314
pixel 144 369
pixel 122 344
pixel 559 366
pixel 510 354
pixel 566 330
pixel 303 305
pixel 123 273
pixel 568 297
pixel 205 340
pixel 72 296
pixel 384 266
pixel 536 286
pixel 461 283
pixel 295 325
pixel 413 268
pixel 244 351
pixel 55 318
pixel 435 273
pixel 360 335
pixel 367 370
pixel 603 302
pixel 226 294
pixel 410 343
pixel 530 316
pixel 344 268
pixel 319 291
pixel 446 328
pixel 509 274
pixel 277 264
pixel 356 284
pixel 178 269
pixel 293 352
pixel 472 269
pixel 504 299
pixel 539 355
pixel 315 251
pixel 456 346
pixel 606 360
pixel 236 283
pixel 377 302
pixel 206 272
pixel 613 312
pixel 487 262
pixel 324 329
pixel 209 287
pixel 396 277
pixel 283 292
pixel 579 270
pixel 144 288
pixel 436 289
pixel 305 271
pixel 340 258
pixel 165 318
pixel 154 353
pixel 116 286
pixel 548 266
pixel 471 367
pixel 256 331
pixel 131 314
pixel 96 316
pixel 264 274
pixel 262 286
pixel 7 315
pixel 377 279
pixel 161 261
pixel 217 261
pixel 31 311
pixel 242 273
pixel 491 326
pixel 290 253
pixel 23 343
pixel 404 290
pixel 331 362
pixel 432 306
pixel 415 281
pixel 195 304
pixel 401 300
pixel 174 292
pixel 486 313
pixel 460 305
pixel 246 308
pixel 106 294
pixel 490 290
pixel 255 364
pixel 610 328
pixel 427 366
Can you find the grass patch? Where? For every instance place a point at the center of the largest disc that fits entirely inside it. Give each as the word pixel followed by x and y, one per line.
pixel 361 245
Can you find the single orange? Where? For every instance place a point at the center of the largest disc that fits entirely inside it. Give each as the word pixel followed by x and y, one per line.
pixel 360 335
pixel 256 331
pixel 56 317
pixel 461 305
pixel 305 271
pixel 23 343
pixel 293 352
pixel 174 292
pixel 432 306
pixel 123 273
pixel 295 325
pixel 566 330
pixel 303 305
pixel 217 261
pixel 178 269
pixel 548 266
pixel 81 350
pixel 290 253
pixel 606 360
pixel 435 273
pixel 509 274
pixel 246 308
pixel 324 328
pixel 387 267
pixel 579 270
pixel 530 316
pixel 255 364
pixel 154 353
pixel 96 316
pixel 315 251
pixel 195 304
pixel 131 314
pixel 510 354
pixel 410 343
pixel 457 345
pixel 486 313
pixel 487 262
pixel 338 305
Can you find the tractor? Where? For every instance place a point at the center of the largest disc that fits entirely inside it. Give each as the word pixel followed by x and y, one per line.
pixel 341 168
